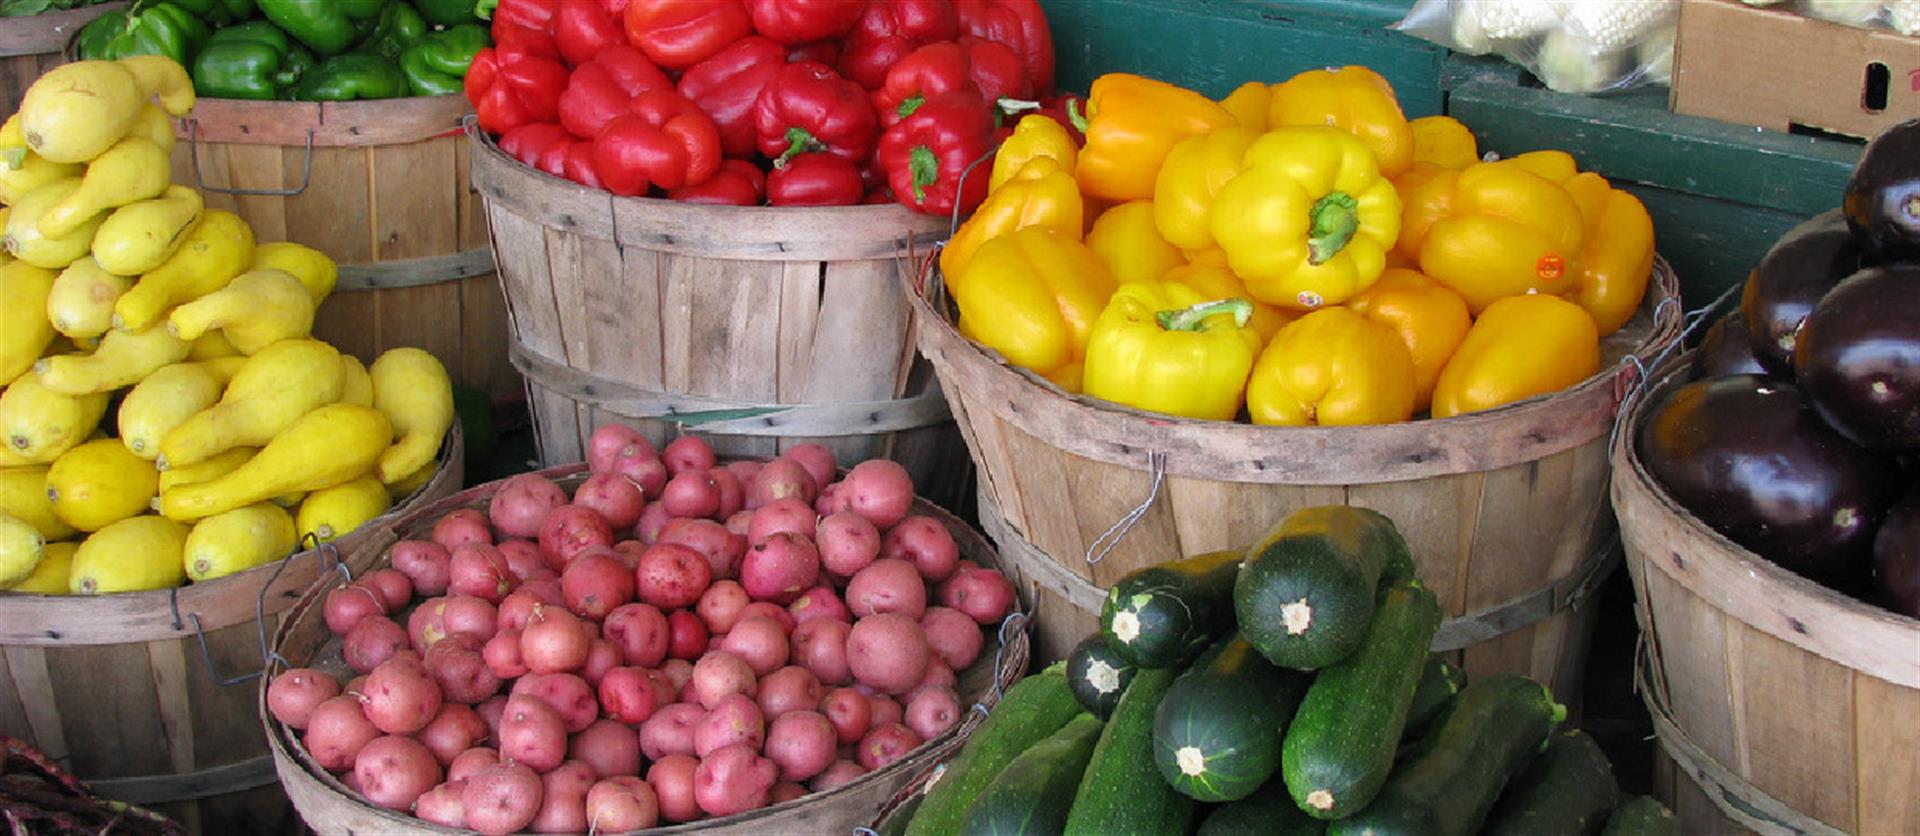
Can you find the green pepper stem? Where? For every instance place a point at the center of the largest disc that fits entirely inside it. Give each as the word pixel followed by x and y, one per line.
pixel 799 141
pixel 1336 217
pixel 1073 115
pixel 910 104
pixel 1190 319
pixel 925 168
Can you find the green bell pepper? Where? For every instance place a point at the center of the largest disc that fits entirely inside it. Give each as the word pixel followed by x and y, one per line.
pixel 328 27
pixel 218 12
pixel 250 61
pixel 400 26
pixel 447 12
pixel 158 29
pixel 357 75
pixel 437 65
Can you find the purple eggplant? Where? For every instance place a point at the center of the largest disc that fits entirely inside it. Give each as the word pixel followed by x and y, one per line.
pixel 1882 201
pixel 1750 457
pixel 1789 280
pixel 1896 555
pixel 1858 358
pixel 1725 350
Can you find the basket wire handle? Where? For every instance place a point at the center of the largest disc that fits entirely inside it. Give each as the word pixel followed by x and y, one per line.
pixel 1105 543
pixel 200 182
pixel 1644 368
pixel 960 188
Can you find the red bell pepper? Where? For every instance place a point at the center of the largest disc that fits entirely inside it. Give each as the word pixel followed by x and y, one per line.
pixel 603 88
pixel 809 107
pixel 825 52
pixel 678 34
pixel 527 143
pixel 582 28
pixel 509 88
pixel 727 85
pixel 890 29
pixel 815 179
pixel 927 155
pixel 928 71
pixel 996 69
pixel 1020 24
pixel 526 14
pixel 667 141
pixel 524 40
pixel 617 8
pixel 799 21
pixel 578 166
pixel 736 183
pixel 877 197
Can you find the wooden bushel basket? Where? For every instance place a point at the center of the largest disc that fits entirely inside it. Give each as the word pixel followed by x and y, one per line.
pixel 762 327
pixel 139 693
pixel 1786 707
pixel 1505 510
pixel 32 45
pixel 331 809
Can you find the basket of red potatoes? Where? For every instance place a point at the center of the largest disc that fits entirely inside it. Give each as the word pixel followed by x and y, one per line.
pixel 651 639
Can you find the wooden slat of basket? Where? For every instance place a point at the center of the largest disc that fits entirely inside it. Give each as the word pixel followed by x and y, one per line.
pixel 332 124
pixel 1791 696
pixel 413 222
pixel 1887 768
pixel 32 687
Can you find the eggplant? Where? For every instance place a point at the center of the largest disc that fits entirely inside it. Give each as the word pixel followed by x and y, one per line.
pixel 1858 358
pixel 1789 280
pixel 1748 455
pixel 1896 555
pixel 1725 350
pixel 1882 201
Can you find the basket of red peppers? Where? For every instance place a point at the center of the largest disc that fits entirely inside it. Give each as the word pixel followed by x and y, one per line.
pixel 765 102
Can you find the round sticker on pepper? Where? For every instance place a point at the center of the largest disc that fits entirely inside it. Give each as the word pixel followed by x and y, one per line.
pixel 1550 267
pixel 1309 299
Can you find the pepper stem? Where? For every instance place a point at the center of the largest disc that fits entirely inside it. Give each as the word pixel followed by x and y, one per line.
pixel 925 168
pixel 1336 217
pixel 1009 104
pixel 799 141
pixel 1190 319
pixel 1074 116
pixel 910 104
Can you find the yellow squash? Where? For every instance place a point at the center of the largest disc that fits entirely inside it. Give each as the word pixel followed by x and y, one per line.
pixel 30 171
pixel 37 424
pixel 21 549
pixel 271 391
pixel 99 483
pixel 133 169
pixel 332 512
pixel 217 249
pixel 23 496
pixel 412 388
pixel 238 540
pixel 1332 367
pixel 356 387
pixel 132 555
pixel 81 301
pixel 326 447
pixel 165 400
pixel 312 267
pixel 24 329
pixel 123 358
pixel 141 236
pixel 25 240
pixel 51 577
pixel 1520 347
pixel 213 466
pixel 255 310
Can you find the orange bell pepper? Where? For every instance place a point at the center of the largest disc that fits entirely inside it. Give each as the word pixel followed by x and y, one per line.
pixel 1521 347
pixel 1130 245
pixel 1131 124
pixel 1493 230
pixel 1617 263
pixel 1249 103
pixel 1443 141
pixel 1041 194
pixel 1354 99
pixel 1431 319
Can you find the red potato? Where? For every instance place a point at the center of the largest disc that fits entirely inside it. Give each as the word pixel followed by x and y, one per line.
pixel 642 633
pixel 465 764
pixel 671 576
pixel 653 519
pixel 984 595
pixel 734 779
pixel 688 453
pixel 523 504
pixel 491 711
pixel 674 674
pixel 938 675
pixel 622 804
pixel 691 493
pixel 602 656
pixel 670 731
pixel 711 540
pixel 743 469
pixel 817 460
pixel 459 667
pixel 336 731
pixel 841 773
pixel 932 711
pixel 953 636
pixel 532 734
pixel 887 652
pixel 569 530
pixel 393 587
pixel 595 584
pixel 525 560
pixel 925 543
pixel 781 479
pixel 848 543
pixel 760 642
pixel 502 798
pixel 671 778
pixel 400 697
pixel 885 709
pixel 569 696
pixel 736 720
pixel 502 655
pixel 553 641
pixel 349 605
pixel 441 805
pixel 394 771
pixel 455 730
pixel 791 688
pixel 740 524
pixel 480 571
pixel 819 602
pixel 820 646
pixel 879 490
pixel 850 712
pixel 733 498
pixel 644 468
pixel 720 605
pixel 886 744
pixel 786 516
pixel 609 746
pixel 780 568
pixel 573 777
pixel 802 743
pixel 425 563
pixel 629 552
pixel 627 695
pixel 829 502
pixel 772 612
pixel 720 674
pixel 888 586
pixel 786 791
pixel 462 615
pixel 293 695
pixel 464 525
pixel 372 641
pixel 609 442
pixel 517 608
pixel 686 635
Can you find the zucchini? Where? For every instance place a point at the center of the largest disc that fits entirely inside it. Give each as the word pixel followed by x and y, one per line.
pixel 1641 816
pixel 1496 726
pixel 1031 711
pixel 1165 615
pixel 1032 795
pixel 1438 683
pixel 1270 811
pixel 1568 789
pixel 1217 734
pixel 1098 676
pixel 1122 793
pixel 1306 591
pixel 1341 746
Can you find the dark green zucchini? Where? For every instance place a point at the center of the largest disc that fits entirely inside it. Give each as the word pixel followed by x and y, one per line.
pixel 1033 794
pixel 1031 711
pixel 1165 615
pixel 1341 745
pixel 1217 734
pixel 1641 816
pixel 1306 591
pixel 1122 793
pixel 1270 811
pixel 1098 676
pixel 1438 683
pixel 1568 789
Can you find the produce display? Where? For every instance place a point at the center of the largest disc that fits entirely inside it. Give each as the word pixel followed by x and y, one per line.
pixel 1297 254
pixel 306 50
pixel 166 416
pixel 1795 439
pixel 749 632
pixel 1573 47
pixel 765 102
pixel 1237 733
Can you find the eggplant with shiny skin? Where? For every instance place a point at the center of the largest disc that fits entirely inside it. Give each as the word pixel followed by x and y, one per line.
pixel 1725 350
pixel 1858 358
pixel 1789 281
pixel 1749 456
pixel 1896 555
pixel 1882 201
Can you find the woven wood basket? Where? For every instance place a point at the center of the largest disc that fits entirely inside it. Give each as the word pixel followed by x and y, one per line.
pixel 32 45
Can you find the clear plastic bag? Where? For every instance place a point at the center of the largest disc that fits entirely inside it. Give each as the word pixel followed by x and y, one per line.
pixel 1901 16
pixel 1574 46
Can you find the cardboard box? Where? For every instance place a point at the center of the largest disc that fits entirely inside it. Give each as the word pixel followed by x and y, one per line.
pixel 1777 70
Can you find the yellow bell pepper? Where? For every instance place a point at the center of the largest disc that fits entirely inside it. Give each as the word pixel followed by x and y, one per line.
pixel 1443 141
pixel 1128 243
pixel 1553 165
pixel 1131 124
pixel 1520 347
pixel 1194 171
pixel 1249 103
pixel 1353 99
pixel 1493 230
pixel 1041 194
pixel 1617 262
pixel 1033 295
pixel 1431 319
pixel 1212 280
pixel 1033 136
pixel 1165 348
pixel 1309 221
pixel 1332 367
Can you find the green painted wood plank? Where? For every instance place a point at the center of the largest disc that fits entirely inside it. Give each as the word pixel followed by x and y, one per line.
pixel 1712 244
